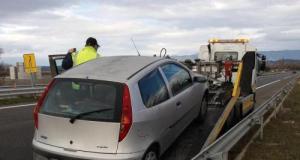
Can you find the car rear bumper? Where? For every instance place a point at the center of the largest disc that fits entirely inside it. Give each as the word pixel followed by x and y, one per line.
pixel 43 151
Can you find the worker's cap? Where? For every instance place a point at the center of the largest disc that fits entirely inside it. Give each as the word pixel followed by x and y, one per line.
pixel 92 42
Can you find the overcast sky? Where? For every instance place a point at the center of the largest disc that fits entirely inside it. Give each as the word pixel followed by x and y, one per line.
pixel 181 26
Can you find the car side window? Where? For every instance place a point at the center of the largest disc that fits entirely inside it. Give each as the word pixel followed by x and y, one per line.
pixel 178 77
pixel 153 89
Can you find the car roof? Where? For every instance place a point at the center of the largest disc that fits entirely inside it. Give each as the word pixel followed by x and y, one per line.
pixel 114 68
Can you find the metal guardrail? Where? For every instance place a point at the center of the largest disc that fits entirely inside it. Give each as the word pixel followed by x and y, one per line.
pixel 8 93
pixel 20 86
pixel 220 148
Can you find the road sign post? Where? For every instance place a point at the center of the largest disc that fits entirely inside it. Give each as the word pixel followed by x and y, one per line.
pixel 30 66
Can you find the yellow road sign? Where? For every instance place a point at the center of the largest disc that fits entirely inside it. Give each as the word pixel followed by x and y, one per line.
pixel 29 63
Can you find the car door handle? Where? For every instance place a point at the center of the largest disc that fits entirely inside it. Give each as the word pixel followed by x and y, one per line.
pixel 178 103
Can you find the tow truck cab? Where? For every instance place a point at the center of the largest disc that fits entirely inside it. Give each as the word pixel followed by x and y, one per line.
pixel 217 51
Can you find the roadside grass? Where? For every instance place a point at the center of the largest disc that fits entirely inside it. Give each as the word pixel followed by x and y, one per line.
pixel 281 139
pixel 18 100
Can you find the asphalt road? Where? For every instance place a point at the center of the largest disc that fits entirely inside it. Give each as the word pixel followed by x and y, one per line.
pixel 16 126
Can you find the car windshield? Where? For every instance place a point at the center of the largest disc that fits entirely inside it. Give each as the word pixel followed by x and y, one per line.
pixel 70 97
pixel 222 56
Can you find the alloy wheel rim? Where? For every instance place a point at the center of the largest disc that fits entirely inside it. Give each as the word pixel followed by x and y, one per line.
pixel 151 156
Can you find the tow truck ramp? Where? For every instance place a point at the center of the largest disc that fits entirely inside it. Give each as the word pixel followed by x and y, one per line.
pixel 218 150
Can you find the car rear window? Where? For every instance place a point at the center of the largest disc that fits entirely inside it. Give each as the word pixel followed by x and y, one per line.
pixel 70 97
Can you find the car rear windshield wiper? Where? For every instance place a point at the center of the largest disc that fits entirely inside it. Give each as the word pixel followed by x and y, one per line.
pixel 72 120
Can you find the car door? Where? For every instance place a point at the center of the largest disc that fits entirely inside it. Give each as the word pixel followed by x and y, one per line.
pixel 180 84
pixel 155 96
pixel 55 64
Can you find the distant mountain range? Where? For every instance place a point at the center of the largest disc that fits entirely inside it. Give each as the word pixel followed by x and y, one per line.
pixel 284 54
pixel 271 55
pixel 284 61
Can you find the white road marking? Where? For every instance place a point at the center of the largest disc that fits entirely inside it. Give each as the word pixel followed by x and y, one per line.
pixel 287 77
pixel 267 84
pixel 23 105
pixel 274 82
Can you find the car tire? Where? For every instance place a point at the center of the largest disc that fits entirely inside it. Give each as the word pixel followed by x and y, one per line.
pixel 203 109
pixel 229 122
pixel 151 154
pixel 238 115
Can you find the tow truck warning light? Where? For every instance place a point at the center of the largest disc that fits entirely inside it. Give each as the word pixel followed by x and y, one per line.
pixel 216 40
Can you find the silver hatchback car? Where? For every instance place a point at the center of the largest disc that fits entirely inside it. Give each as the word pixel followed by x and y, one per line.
pixel 123 107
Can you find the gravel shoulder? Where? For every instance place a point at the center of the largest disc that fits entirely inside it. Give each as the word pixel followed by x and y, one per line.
pixel 18 100
pixel 281 135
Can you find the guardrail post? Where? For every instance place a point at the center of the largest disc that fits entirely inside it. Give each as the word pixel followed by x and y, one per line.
pixel 225 156
pixel 276 111
pixel 261 127
pixel 278 103
pixel 277 107
pixel 218 156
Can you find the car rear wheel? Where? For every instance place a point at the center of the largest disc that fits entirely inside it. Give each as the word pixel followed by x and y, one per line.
pixel 151 154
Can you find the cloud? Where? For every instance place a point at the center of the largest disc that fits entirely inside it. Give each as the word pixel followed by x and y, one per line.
pixel 17 8
pixel 51 27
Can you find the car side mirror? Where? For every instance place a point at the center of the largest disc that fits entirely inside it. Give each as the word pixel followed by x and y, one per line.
pixel 200 79
pixel 263 63
pixel 263 66
pixel 257 74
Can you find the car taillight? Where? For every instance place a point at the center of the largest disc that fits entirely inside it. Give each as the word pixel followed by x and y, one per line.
pixel 126 119
pixel 40 103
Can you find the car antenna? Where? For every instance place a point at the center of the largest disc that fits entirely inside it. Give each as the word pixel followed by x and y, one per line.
pixel 138 52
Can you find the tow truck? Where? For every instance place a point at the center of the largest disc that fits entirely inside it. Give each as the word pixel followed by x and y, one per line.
pixel 237 97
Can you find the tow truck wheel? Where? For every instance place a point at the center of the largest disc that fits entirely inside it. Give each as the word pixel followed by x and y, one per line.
pixel 203 109
pixel 238 116
pixel 230 121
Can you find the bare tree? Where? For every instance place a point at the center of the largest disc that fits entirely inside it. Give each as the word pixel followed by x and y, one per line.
pixel 4 69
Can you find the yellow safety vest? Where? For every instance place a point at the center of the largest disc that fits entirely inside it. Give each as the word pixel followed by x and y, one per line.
pixel 86 54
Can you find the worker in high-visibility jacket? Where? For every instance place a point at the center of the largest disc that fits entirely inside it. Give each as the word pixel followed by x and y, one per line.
pixel 228 65
pixel 89 52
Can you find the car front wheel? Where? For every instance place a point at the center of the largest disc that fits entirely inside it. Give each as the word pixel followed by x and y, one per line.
pixel 203 109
